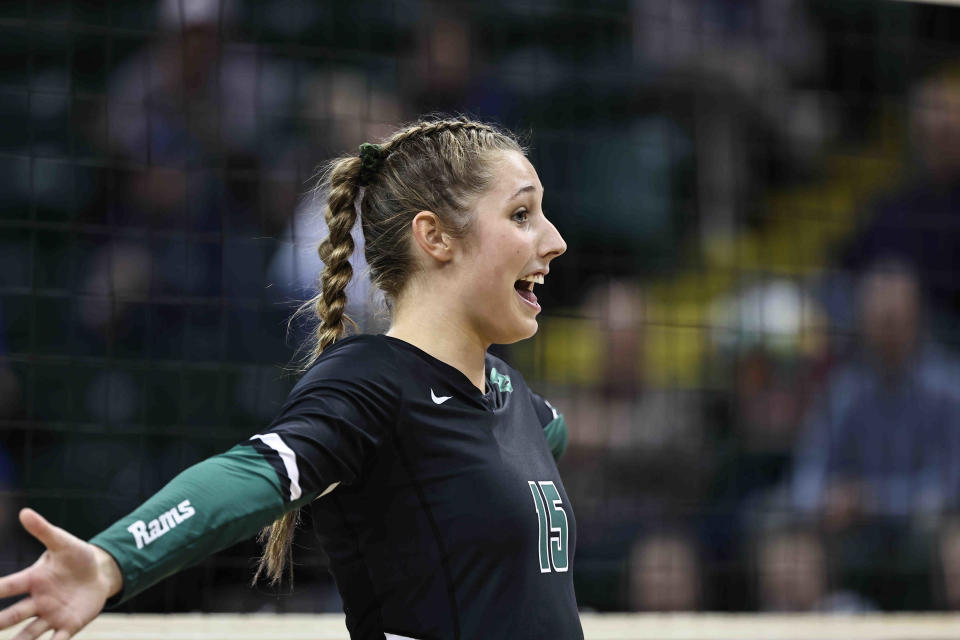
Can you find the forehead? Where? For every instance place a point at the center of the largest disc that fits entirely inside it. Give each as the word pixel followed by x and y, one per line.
pixel 511 173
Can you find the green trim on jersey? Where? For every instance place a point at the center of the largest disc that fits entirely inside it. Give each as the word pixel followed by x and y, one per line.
pixel 211 505
pixel 501 380
pixel 556 432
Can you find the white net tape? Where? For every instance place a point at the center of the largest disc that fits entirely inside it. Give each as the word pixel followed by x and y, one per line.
pixel 596 627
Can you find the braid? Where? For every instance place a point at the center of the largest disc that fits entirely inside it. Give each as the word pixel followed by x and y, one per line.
pixel 329 305
pixel 431 127
pixel 335 251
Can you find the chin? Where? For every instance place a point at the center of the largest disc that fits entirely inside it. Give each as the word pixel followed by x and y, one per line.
pixel 527 329
pixel 534 327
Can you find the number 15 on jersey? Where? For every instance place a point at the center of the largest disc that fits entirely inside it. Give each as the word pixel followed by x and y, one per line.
pixel 553 537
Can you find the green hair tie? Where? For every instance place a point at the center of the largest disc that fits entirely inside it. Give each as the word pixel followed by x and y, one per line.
pixel 371 159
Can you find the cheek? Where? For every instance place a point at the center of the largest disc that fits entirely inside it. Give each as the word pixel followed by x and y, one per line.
pixel 511 247
pixel 501 256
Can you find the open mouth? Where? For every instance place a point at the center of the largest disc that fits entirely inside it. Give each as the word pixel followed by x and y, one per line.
pixel 524 288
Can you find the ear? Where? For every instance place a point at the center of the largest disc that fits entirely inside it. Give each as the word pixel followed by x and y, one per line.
pixel 430 237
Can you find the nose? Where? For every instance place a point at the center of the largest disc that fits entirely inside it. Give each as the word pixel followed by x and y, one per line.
pixel 552 244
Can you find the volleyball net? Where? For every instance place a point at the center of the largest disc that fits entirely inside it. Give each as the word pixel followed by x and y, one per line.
pixel 726 175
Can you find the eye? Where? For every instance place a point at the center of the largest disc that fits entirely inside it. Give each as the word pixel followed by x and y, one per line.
pixel 520 216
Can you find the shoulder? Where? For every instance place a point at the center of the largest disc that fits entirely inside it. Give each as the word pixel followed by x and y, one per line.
pixel 499 369
pixel 353 379
pixel 355 358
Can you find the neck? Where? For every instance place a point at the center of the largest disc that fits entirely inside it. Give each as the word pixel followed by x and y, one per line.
pixel 427 323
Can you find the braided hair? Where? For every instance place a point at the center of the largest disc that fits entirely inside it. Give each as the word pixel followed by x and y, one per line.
pixel 439 165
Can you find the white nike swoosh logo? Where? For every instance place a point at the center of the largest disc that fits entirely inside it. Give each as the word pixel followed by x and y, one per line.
pixel 439 399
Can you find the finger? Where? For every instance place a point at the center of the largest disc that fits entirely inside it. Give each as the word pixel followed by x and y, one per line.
pixel 33 630
pixel 17 613
pixel 37 526
pixel 15 584
pixel 61 635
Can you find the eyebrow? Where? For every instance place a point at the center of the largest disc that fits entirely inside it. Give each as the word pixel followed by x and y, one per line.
pixel 529 187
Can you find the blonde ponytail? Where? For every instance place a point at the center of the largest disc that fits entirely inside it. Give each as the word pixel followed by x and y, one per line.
pixel 329 305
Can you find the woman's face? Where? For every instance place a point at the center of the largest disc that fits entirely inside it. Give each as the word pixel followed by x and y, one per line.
pixel 510 244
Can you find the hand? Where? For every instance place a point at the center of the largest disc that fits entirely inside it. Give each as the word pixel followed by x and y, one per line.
pixel 66 587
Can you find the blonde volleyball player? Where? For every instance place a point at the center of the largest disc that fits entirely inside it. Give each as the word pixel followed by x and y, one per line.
pixel 427 464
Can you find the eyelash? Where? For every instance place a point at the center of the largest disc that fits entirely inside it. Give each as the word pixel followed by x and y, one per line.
pixel 522 212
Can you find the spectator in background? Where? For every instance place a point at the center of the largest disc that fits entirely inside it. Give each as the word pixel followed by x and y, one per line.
pixel 636 463
pixel 879 462
pixel 450 68
pixel 200 180
pixel 664 573
pixel 162 294
pixel 883 437
pixel 791 571
pixel 201 129
pixel 625 425
pixel 744 132
pixel 919 223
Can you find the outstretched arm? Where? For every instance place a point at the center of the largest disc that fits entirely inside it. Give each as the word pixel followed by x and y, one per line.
pixel 211 505
pixel 330 423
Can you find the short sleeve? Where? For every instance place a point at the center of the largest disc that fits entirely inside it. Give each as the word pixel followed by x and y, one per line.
pixel 336 416
pixel 553 423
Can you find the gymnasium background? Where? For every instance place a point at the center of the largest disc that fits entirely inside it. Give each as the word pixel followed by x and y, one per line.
pixel 752 334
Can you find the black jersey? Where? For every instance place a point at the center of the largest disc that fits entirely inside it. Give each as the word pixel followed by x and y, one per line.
pixel 450 519
pixel 440 507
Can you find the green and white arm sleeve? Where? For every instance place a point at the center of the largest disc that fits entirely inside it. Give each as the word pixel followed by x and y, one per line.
pixel 211 505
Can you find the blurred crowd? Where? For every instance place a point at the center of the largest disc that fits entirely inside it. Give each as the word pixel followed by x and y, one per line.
pixel 752 337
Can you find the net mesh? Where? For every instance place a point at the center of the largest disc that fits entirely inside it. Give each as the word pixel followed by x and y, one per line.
pixel 735 181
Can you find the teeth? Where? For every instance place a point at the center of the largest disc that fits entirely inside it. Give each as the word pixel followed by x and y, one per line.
pixel 536 278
